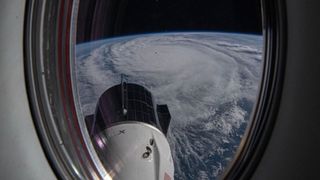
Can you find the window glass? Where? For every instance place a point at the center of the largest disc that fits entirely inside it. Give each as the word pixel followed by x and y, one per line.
pixel 188 68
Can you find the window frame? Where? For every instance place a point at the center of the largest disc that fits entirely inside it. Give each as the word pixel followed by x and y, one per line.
pixel 51 95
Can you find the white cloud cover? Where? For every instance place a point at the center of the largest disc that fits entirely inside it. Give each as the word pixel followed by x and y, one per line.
pixel 203 77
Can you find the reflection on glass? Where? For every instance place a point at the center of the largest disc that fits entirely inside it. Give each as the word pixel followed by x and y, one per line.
pixel 208 80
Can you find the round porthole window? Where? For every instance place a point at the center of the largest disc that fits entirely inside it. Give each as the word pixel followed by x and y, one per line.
pixel 153 89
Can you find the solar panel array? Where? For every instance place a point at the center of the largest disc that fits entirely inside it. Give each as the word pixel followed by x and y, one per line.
pixel 123 102
pixel 140 105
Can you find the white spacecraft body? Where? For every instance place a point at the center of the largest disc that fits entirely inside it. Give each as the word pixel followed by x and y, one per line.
pixel 135 150
pixel 128 131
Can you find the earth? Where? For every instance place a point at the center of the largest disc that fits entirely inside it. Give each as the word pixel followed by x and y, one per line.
pixel 209 81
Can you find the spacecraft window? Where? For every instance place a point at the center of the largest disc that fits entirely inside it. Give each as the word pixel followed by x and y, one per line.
pixel 204 61
pixel 189 80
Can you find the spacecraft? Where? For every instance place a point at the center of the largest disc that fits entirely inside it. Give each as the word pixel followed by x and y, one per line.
pixel 129 132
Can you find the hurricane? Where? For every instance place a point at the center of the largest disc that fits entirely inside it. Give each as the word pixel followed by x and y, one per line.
pixel 209 81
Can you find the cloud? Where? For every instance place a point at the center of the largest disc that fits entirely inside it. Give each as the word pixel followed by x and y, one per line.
pixel 207 80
